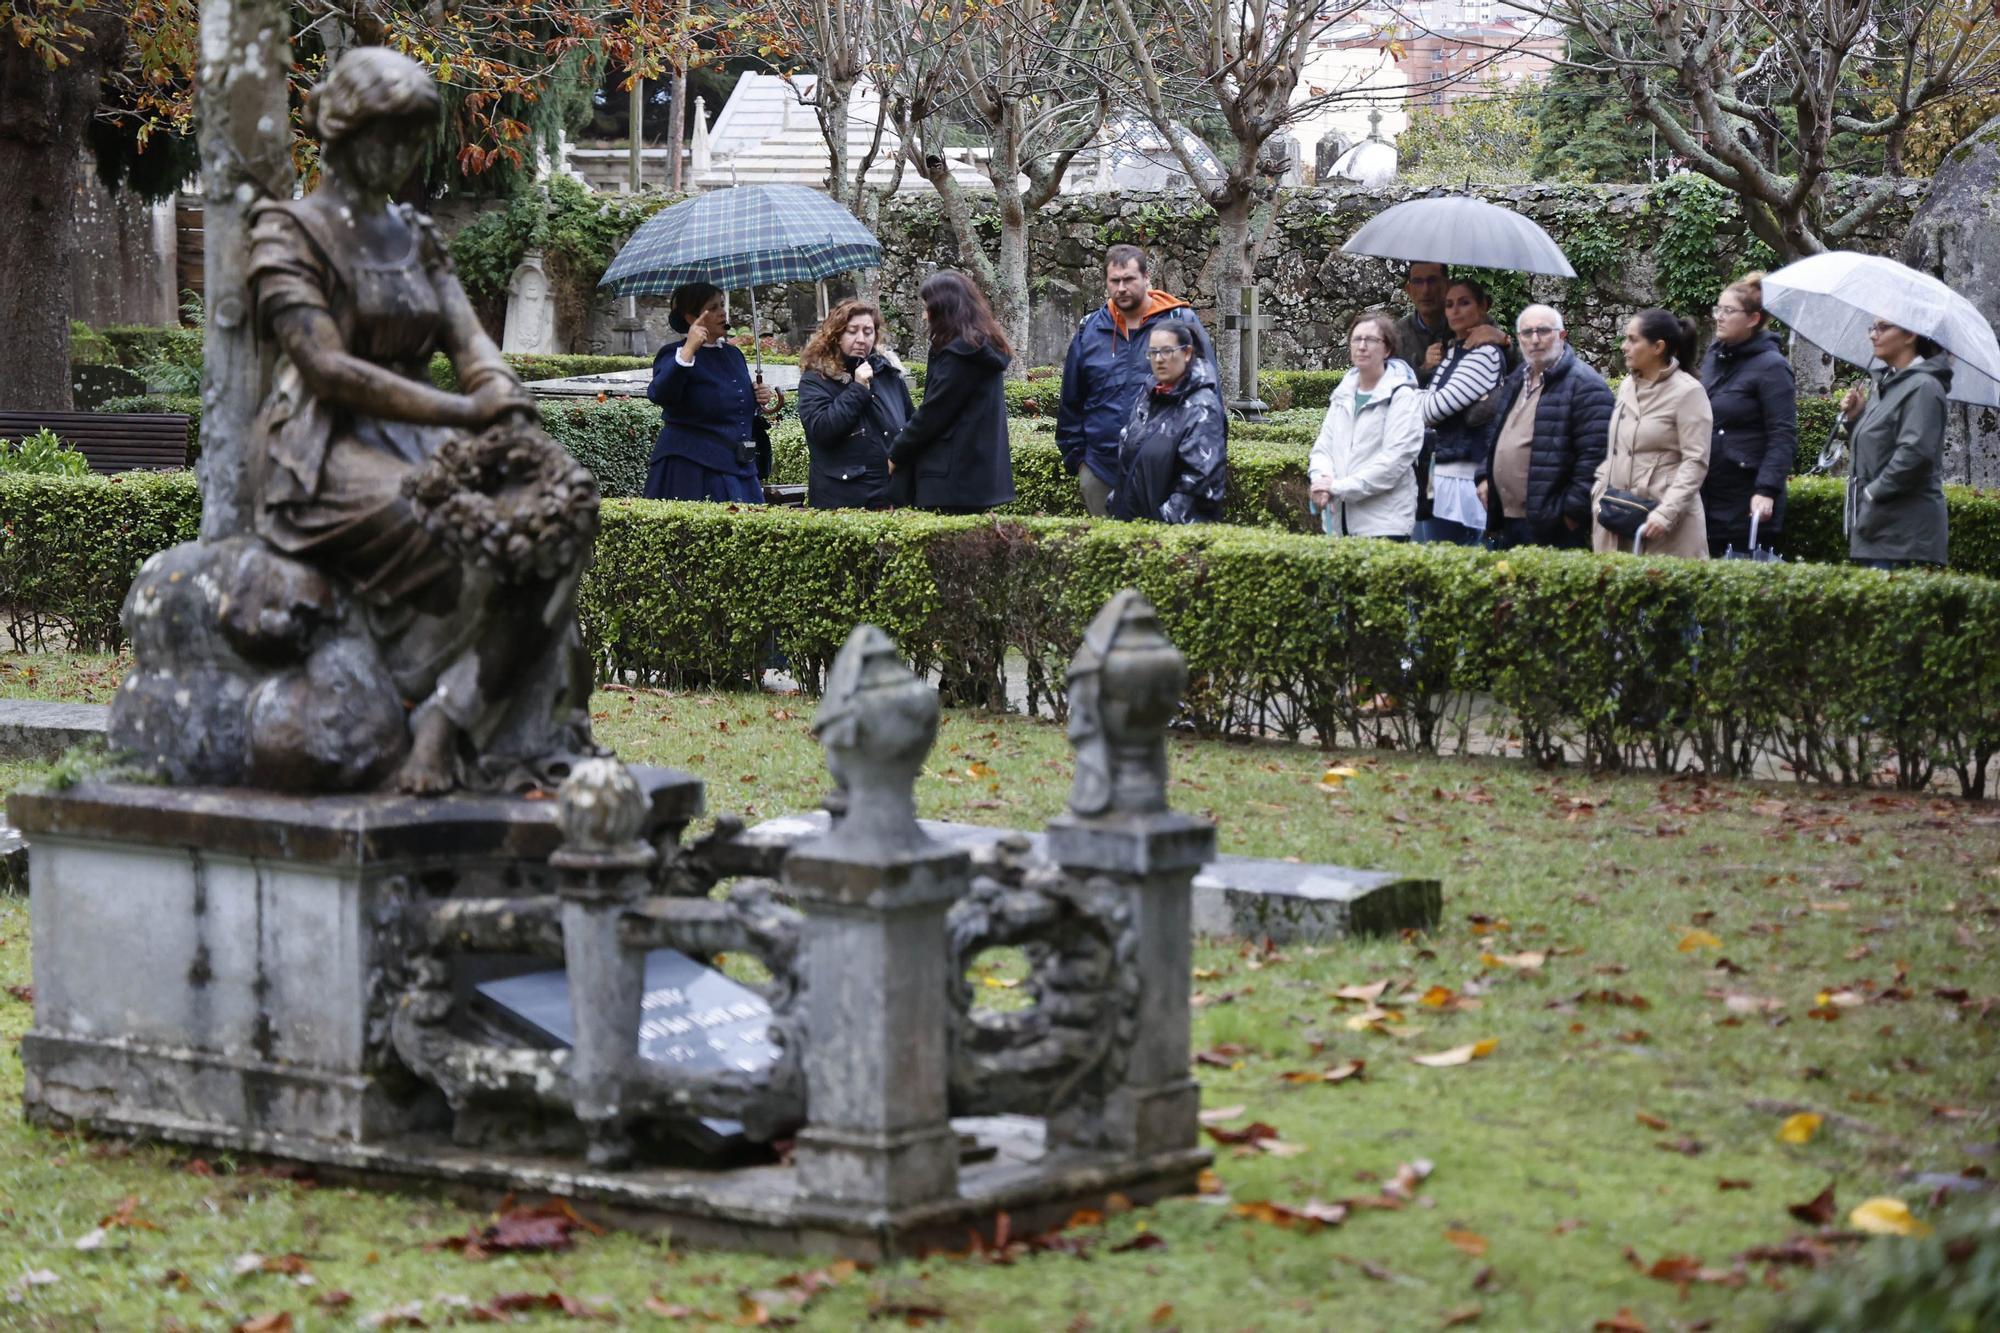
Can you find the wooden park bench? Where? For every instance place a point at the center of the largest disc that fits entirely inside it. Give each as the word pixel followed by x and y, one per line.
pixel 112 441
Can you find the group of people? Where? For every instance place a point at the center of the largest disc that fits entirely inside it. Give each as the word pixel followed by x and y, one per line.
pixel 1434 436
pixel 1142 423
pixel 871 446
pixel 1445 429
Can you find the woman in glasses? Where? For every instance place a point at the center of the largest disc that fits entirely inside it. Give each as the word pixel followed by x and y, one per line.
pixel 1362 469
pixel 1895 490
pixel 1755 401
pixel 1173 454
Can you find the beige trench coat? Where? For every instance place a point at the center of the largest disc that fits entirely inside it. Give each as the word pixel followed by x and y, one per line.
pixel 1660 431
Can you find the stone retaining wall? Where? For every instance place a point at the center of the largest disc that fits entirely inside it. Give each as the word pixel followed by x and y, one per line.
pixel 1309 289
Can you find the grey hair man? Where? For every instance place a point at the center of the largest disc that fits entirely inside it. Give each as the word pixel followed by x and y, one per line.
pixel 1555 421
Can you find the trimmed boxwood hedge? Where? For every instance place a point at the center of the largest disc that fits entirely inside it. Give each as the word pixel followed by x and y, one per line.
pixel 1267 487
pixel 1838 671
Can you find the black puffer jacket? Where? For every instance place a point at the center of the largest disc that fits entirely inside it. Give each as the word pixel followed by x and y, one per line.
pixel 1755 400
pixel 849 427
pixel 1173 455
pixel 1572 430
pixel 954 450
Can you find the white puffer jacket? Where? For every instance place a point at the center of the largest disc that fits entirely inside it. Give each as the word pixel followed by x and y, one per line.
pixel 1368 458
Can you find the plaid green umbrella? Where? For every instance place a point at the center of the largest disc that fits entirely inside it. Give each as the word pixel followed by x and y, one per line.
pixel 744 236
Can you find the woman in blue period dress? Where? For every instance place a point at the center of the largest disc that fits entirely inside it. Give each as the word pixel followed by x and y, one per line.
pixel 359 293
pixel 708 447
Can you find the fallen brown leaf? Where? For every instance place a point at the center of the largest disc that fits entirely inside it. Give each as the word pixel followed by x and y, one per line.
pixel 1470 1242
pixel 1256 1129
pixel 280 1322
pixel 1467 1314
pixel 1457 1055
pixel 1816 1211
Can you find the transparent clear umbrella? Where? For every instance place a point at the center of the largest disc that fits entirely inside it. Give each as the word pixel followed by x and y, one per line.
pixel 1455 229
pixel 1831 299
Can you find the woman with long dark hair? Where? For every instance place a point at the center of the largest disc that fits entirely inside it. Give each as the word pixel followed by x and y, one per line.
pixel 1658 454
pixel 1458 403
pixel 954 450
pixel 1755 402
pixel 709 446
pixel 853 401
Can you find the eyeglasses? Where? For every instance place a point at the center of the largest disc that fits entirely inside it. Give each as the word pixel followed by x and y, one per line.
pixel 1367 340
pixel 1162 353
pixel 1879 327
pixel 1538 332
pixel 1722 310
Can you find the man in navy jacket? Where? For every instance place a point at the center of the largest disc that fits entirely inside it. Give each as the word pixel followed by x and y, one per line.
pixel 1107 369
pixel 1553 426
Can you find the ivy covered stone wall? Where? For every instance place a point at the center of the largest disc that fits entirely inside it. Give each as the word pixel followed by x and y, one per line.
pixel 1672 244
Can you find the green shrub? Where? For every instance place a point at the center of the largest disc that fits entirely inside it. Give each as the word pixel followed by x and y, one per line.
pixel 42 454
pixel 1948 1282
pixel 135 345
pixel 530 367
pixel 1282 389
pixel 69 547
pixel 87 347
pixel 1836 670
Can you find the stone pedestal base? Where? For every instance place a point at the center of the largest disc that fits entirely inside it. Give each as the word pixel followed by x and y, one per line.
pixel 212 963
pixel 216 969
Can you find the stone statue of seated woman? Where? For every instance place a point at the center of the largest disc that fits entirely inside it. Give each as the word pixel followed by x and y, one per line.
pixel 405 613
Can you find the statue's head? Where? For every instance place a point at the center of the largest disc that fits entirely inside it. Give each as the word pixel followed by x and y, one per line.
pixel 374 116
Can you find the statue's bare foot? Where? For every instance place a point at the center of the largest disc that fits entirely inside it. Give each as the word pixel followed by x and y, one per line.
pixel 428 770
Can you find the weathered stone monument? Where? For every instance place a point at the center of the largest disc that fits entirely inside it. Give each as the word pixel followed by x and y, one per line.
pixel 531 309
pixel 316 978
pixel 1955 236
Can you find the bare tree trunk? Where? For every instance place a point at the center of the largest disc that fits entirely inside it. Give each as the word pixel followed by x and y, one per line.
pixel 1231 270
pixel 245 157
pixel 1010 279
pixel 43 115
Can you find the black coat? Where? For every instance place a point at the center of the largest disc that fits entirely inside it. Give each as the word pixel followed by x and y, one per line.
pixel 1173 455
pixel 849 428
pixel 1572 431
pixel 954 450
pixel 1755 401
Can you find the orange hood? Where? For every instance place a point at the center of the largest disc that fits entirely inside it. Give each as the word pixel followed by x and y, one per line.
pixel 1156 301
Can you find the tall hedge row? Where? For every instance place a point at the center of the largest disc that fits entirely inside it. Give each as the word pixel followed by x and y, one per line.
pixel 1844 674
pixel 1837 671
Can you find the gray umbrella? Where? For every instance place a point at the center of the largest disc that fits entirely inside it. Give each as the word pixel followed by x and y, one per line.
pixel 1458 230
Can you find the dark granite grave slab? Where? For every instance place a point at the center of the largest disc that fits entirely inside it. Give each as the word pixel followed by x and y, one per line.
pixel 1248 896
pixel 37 729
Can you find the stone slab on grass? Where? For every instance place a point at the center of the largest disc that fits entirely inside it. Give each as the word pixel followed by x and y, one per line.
pixel 1246 896
pixel 38 729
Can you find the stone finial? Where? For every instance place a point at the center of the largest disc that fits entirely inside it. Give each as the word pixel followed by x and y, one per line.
pixel 1124 684
pixel 600 807
pixel 877 721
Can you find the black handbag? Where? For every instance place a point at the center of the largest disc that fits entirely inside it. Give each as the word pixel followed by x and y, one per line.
pixel 1624 512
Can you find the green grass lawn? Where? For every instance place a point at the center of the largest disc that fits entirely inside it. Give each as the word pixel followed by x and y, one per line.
pixel 1668 970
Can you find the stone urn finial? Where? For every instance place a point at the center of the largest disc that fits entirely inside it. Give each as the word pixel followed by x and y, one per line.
pixel 877 721
pixel 1125 683
pixel 600 808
